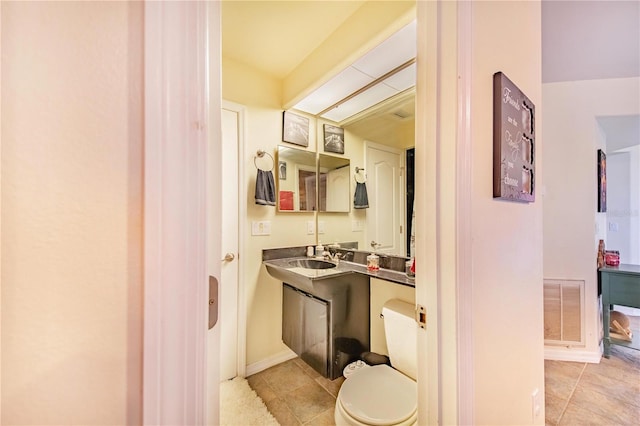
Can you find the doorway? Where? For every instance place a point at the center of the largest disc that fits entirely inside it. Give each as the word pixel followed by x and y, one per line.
pixel 232 317
pixel 385 221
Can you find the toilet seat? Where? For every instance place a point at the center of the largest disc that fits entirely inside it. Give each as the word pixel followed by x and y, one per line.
pixel 378 395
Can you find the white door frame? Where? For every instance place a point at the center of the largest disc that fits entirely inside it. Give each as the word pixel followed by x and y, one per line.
pixel 185 404
pixel 175 207
pixel 241 364
pixel 464 264
pixel 443 247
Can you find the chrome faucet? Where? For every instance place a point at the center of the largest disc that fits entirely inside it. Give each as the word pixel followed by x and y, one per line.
pixel 335 257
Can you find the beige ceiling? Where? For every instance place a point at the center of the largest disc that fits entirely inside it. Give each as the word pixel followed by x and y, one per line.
pixel 251 29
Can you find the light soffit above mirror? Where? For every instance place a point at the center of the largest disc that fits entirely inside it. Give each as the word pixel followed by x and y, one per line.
pixel 398 52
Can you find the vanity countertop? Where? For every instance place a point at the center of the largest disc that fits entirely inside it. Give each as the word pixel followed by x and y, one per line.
pixel 342 268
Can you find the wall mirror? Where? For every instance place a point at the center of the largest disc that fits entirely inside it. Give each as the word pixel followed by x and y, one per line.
pixel 296 180
pixel 334 184
pixel 390 126
pixel 378 121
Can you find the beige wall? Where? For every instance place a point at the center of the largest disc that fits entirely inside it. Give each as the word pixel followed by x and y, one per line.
pixel 573 226
pixel 72 208
pixel 507 236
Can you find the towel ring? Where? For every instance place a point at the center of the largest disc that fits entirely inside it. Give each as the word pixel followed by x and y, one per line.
pixel 260 154
pixel 362 176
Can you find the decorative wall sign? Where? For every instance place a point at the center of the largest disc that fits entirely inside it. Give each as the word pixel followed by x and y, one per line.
pixel 602 181
pixel 513 142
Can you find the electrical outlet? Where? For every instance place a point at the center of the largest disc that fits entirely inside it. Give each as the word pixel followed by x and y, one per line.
pixel 613 227
pixel 311 227
pixel 261 227
pixel 536 404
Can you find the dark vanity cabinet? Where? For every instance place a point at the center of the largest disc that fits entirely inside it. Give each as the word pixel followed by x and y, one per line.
pixel 305 327
pixel 327 323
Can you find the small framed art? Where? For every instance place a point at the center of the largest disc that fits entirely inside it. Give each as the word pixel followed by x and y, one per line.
pixel 295 129
pixel 333 139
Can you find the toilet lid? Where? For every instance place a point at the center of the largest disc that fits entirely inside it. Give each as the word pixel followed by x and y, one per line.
pixel 379 395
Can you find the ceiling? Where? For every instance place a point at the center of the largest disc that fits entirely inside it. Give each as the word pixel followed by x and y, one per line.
pixel 623 131
pixel 588 40
pixel 298 26
pixel 581 40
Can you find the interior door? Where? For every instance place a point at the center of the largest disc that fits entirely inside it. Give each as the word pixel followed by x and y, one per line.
pixel 385 217
pixel 338 198
pixel 229 244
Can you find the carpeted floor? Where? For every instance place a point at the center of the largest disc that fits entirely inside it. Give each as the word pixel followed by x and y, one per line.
pixel 240 406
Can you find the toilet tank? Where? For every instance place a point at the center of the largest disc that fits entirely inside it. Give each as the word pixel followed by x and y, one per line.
pixel 400 331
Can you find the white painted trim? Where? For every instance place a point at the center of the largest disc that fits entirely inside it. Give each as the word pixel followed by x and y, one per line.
pixel 563 354
pixel 214 214
pixel 427 291
pixel 381 147
pixel 276 359
pixel 242 212
pixel 464 265
pixel 175 250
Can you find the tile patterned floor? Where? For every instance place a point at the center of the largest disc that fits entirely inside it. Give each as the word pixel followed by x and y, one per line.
pixel 296 394
pixel 607 393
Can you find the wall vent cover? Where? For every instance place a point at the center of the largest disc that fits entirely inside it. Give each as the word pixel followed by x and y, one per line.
pixel 564 312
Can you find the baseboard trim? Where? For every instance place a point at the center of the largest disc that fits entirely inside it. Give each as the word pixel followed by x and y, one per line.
pixel 564 354
pixel 276 359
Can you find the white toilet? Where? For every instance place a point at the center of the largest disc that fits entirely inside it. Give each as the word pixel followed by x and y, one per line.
pixel 381 395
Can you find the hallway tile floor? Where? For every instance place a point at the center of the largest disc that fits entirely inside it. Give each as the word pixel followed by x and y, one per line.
pixel 608 393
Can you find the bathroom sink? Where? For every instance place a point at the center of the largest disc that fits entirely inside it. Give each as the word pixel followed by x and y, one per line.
pixel 312 264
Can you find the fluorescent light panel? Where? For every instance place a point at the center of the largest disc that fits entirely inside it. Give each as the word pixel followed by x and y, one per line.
pixel 391 53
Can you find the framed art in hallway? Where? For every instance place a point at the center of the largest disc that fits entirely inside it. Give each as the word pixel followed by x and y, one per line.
pixel 514 142
pixel 602 181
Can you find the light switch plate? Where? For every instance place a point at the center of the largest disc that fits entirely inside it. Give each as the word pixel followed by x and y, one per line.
pixel 321 227
pixel 311 227
pixel 356 226
pixel 262 227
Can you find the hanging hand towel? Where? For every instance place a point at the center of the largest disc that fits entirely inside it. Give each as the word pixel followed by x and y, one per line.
pixel 265 188
pixel 361 199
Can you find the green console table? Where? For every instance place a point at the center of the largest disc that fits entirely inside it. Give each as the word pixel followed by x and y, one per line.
pixel 620 286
